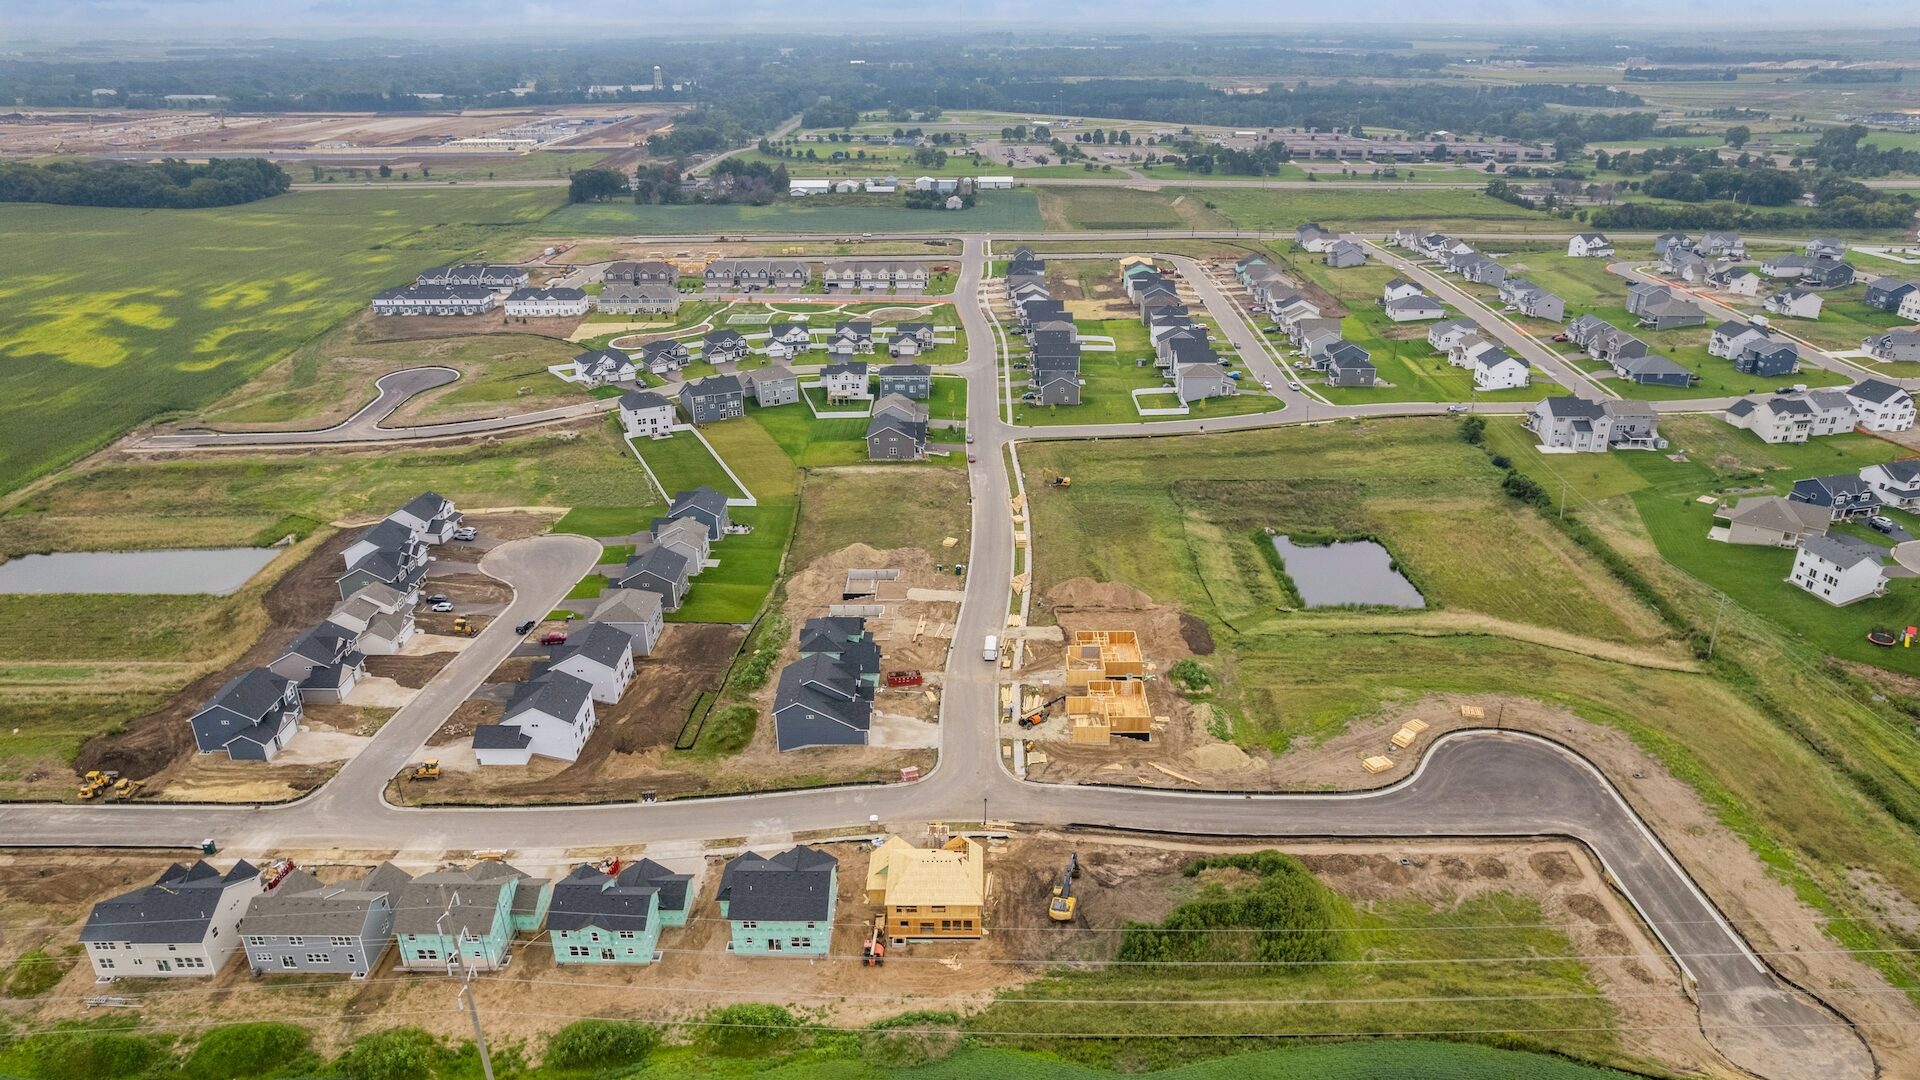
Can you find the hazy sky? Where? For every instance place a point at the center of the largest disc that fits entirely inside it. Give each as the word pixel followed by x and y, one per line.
pixel 650 18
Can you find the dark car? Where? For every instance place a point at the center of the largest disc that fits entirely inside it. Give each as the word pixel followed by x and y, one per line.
pixel 554 637
pixel 526 626
pixel 436 598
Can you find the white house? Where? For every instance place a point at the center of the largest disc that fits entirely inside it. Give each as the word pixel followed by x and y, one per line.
pixel 646 415
pixel 551 716
pixel 546 303
pixel 1881 406
pixel 993 183
pixel 1897 483
pixel 1414 309
pixel 1795 303
pixel 1398 288
pixel 1591 245
pixel 430 515
pixel 1735 280
pixel 802 186
pixel 1443 336
pixel 1839 569
pixel 186 924
pixel 602 656
pixel 1909 308
pixel 1467 351
pixel 603 366
pixel 1497 370
pixel 846 382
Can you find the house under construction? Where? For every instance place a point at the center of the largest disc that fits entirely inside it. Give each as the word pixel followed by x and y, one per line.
pixel 1104 654
pixel 1105 708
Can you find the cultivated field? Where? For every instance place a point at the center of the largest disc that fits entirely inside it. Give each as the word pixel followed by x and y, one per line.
pixel 997 211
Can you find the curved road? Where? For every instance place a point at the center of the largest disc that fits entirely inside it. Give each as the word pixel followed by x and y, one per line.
pixel 1474 784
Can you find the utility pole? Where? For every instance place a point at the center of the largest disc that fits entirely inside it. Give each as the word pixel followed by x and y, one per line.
pixel 1563 498
pixel 1713 638
pixel 473 1013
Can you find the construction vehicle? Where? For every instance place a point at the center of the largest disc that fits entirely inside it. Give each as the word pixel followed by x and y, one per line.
pixel 1055 478
pixel 275 872
pixel 95 782
pixel 426 770
pixel 126 789
pixel 1061 906
pixel 463 626
pixel 875 950
pixel 1039 715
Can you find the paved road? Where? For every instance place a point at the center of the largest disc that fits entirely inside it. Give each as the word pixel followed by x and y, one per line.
pixel 391 391
pixel 1470 784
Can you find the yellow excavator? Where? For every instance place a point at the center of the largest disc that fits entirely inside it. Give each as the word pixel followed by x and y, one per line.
pixel 464 626
pixel 1055 478
pixel 427 770
pixel 96 782
pixel 126 789
pixel 1063 904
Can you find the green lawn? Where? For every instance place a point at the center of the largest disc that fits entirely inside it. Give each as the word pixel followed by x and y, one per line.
pixel 1358 208
pixel 1110 378
pixel 949 399
pixel 186 305
pixel 682 463
pixel 1110 208
pixel 997 211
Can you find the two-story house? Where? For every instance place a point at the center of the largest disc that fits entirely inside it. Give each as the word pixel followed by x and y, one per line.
pixel 601 656
pixel 182 925
pixel 602 917
pixel 305 926
pixel 550 715
pixel 646 415
pixel 780 905
pixel 929 893
pixel 466 917
pixel 252 718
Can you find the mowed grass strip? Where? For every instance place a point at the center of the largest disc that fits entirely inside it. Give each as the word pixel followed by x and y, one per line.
pixel 111 317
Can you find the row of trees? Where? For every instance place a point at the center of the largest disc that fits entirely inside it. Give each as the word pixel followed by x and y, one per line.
pixel 165 185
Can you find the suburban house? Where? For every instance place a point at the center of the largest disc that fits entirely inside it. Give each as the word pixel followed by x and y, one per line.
pixel 1721 245
pixel 1768 521
pixel 1886 293
pixel 724 346
pixel 788 340
pixel 434 300
pixel 546 303
pixel 550 715
pixel 908 380
pixel 846 382
pixel 1312 237
pixel 1591 245
pixel 911 339
pixel 849 338
pixel 182 925
pixel 1500 371
pixel 1734 280
pixel 1828 274
pixel 1826 247
pixel 897 431
pixel 1538 303
pixel 1659 307
pixel 1345 253
pixel 1767 358
pixel 1653 370
pixel 1844 496
pixel 659 570
pixel 846 641
pixel 379 616
pixel 431 516
pixel 1054 379
pixel 646 415
pixel 644 272
pixel 1776 419
pixel 753 275
pixel 780 905
pixel 466 917
pixel 253 717
pixel 1415 308
pixel 1839 569
pixel 325 661
pixel 1895 483
pixel 342 928
pixel 1881 406
pixel 1399 288
pixel 1481 270
pixel 1731 336
pixel 1894 344
pixel 1909 308
pixel 704 505
pixel 684 535
pixel 389 566
pixel 635 611
pixel 1795 304
pixel 1347 364
pixel 637 300
pixel 601 656
pixel 1468 349
pixel 1580 425
pixel 1193 382
pixel 615 917
pixel 929 892
pixel 396 538
pixel 773 385
pixel 899 275
pixel 821 702
pixel 714 398
pixel 1443 336
pixel 662 357
pixel 491 276
pixel 602 366
pixel 1683 264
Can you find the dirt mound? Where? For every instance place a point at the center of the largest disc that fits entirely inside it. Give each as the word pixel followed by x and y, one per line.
pixel 1082 592
pixel 1553 866
pixel 1219 756
pixel 412 672
pixel 1194 631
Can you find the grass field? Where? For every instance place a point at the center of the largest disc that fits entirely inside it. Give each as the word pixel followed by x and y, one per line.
pixel 1110 378
pixel 1113 208
pixel 999 211
pixel 187 305
pixel 1351 208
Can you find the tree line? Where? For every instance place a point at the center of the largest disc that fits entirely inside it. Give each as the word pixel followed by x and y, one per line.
pixel 164 185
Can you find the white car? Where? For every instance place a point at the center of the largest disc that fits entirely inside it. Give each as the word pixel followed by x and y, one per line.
pixel 1293 386
pixel 443 606
pixel 1266 383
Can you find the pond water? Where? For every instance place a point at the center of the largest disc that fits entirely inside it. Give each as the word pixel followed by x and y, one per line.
pixel 218 571
pixel 1350 572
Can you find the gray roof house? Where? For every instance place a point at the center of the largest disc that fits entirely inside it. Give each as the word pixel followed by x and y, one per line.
pixel 1768 521
pixel 601 656
pixel 1055 385
pixel 253 717
pixel 182 925
pixel 658 570
pixel 908 380
pixel 686 535
pixel 615 299
pixel 550 715
pixel 636 611
pixel 1844 495
pixel 795 886
pixel 724 346
pixel 305 926
pixel 1347 364
pixel 661 357
pixel 714 398
pixel 1582 425
pixel 1654 370
pixel 324 660
pixel 774 385
pixel 820 702
pixel 897 431
pixel 1193 382
pixel 1885 293
pixel 705 505
pixel 1839 569
pixel 645 414
pixel 1414 308
pixel 467 916
pixel 1658 307
pixel 1345 253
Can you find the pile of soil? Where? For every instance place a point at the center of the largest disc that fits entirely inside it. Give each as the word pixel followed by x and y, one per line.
pixel 412 672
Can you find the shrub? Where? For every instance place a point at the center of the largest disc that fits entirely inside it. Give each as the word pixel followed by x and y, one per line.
pixel 911 1039
pixel 35 973
pixel 1286 914
pixel 1473 429
pixel 601 1044
pixel 237 1050
pixel 749 1028
pixel 85 1054
pixel 1191 676
pixel 729 730
pixel 394 1054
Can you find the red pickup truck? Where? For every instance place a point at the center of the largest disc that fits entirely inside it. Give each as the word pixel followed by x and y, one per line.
pixel 554 637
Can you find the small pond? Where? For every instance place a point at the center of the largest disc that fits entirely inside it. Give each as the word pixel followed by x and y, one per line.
pixel 1349 572
pixel 218 571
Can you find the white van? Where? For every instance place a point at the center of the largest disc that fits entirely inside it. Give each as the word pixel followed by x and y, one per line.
pixel 992 650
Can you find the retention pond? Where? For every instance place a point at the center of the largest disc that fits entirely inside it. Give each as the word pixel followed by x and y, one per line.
pixel 1357 572
pixel 218 571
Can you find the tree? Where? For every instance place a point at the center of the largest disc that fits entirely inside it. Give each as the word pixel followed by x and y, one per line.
pixel 595 185
pixel 385 171
pixel 1739 135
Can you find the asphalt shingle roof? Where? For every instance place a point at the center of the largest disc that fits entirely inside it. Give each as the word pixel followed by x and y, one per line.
pixel 793 886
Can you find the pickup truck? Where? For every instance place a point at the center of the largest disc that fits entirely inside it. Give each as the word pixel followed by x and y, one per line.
pixel 554 637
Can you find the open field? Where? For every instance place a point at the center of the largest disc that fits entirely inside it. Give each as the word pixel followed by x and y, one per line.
pixel 997 211
pixel 1373 211
pixel 189 304
pixel 1110 208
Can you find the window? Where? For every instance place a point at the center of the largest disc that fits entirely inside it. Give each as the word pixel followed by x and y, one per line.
pixel 427 954
pixel 773 944
pixel 626 935
pixel 296 942
pixel 578 950
pixel 288 961
pixel 103 946
pixel 256 941
pixel 193 962
pixel 104 962
pixel 801 942
pixel 606 954
pixel 938 909
pixel 749 924
pixel 263 957
pixel 318 958
pixel 340 941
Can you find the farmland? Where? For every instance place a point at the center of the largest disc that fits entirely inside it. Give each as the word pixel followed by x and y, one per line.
pixel 187 305
pixel 999 211
pixel 1350 208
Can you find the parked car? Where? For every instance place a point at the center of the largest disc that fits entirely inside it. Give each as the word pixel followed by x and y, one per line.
pixel 554 637
pixel 526 626
pixel 442 606
pixel 1561 337
pixel 1456 408
pixel 1293 385
pixel 1881 523
pixel 465 533
pixel 969 437
pixel 971 459
pixel 437 598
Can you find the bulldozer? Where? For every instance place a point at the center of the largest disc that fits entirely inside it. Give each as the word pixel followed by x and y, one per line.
pixel 1062 905
pixel 463 626
pixel 126 788
pixel 1055 478
pixel 96 783
pixel 426 770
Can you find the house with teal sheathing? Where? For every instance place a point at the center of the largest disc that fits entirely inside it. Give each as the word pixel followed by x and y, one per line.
pixel 450 919
pixel 780 906
pixel 615 918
